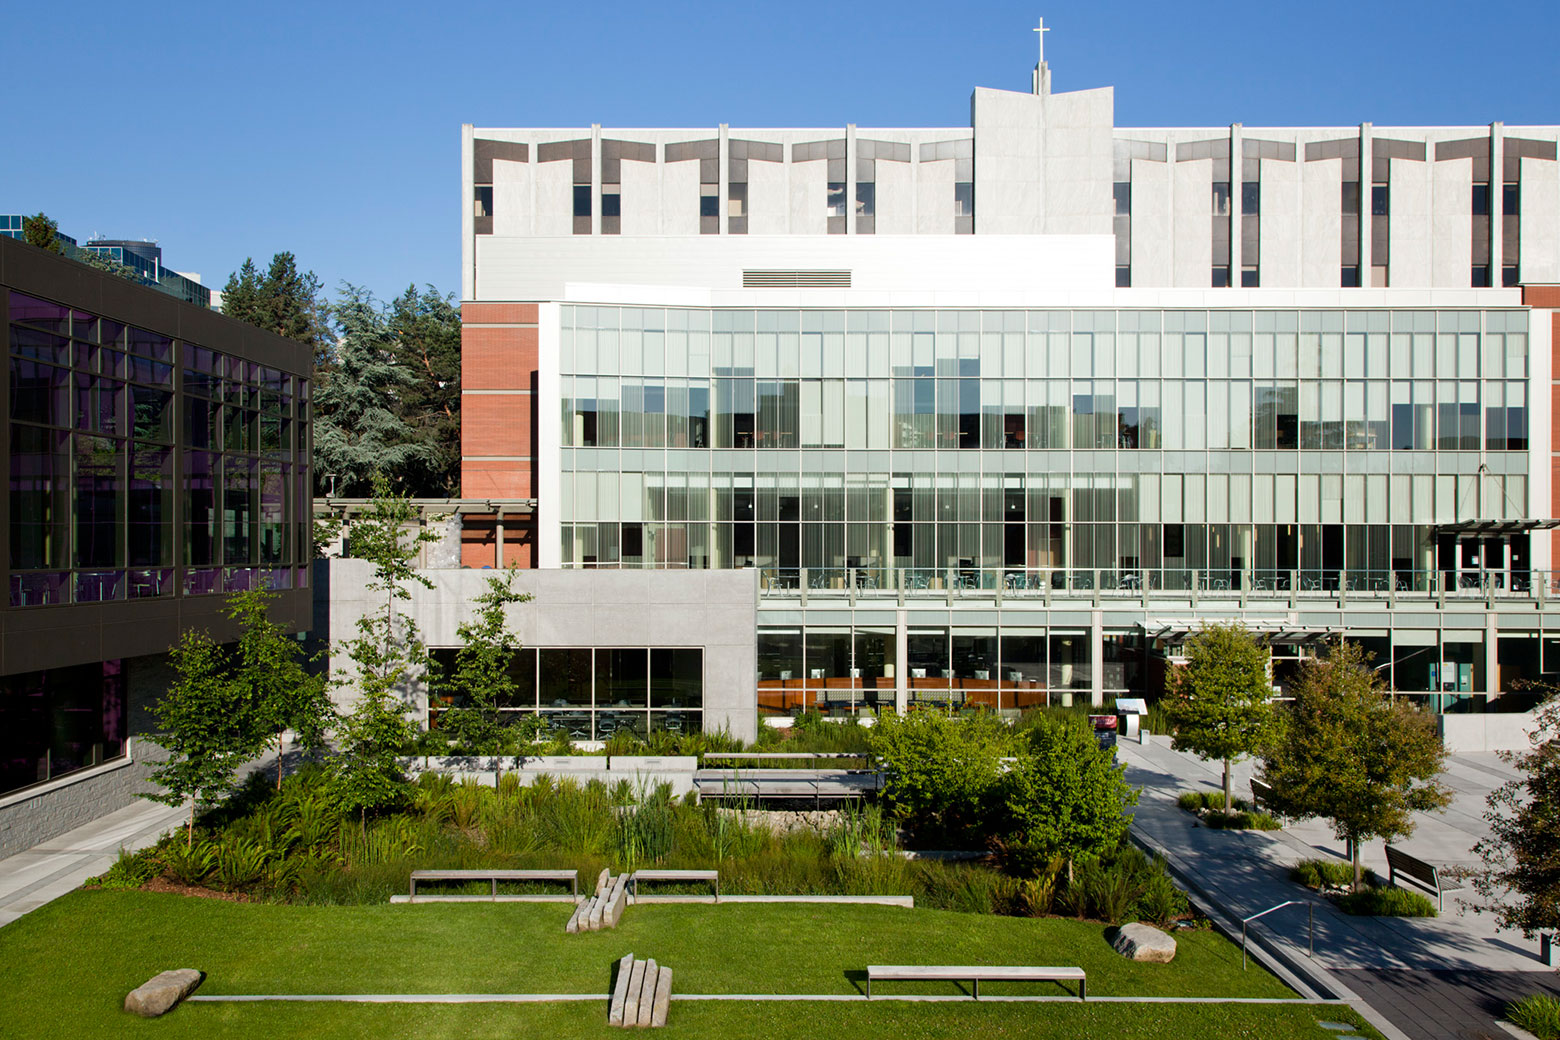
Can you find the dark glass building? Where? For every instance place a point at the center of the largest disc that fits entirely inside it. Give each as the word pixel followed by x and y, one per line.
pixel 157 456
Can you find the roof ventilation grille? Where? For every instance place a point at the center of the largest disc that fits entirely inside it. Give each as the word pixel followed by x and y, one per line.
pixel 796 279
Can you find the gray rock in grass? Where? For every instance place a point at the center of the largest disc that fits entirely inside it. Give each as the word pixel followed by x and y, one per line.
pixel 1142 942
pixel 162 993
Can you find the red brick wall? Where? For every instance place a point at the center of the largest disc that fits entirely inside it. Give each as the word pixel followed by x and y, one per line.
pixel 498 425
pixel 479 539
pixel 1541 295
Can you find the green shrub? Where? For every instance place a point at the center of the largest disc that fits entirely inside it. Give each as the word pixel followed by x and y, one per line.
pixel 240 864
pixel 188 865
pixel 1320 873
pixel 1538 1014
pixel 1386 902
pixel 1241 820
pixel 941 772
pixel 130 870
pixel 1161 901
pixel 1191 801
pixel 1063 795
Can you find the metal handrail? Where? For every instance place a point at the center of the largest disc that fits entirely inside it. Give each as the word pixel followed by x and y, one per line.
pixel 1310 914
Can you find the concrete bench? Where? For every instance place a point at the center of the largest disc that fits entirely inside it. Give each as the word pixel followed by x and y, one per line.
pixel 494 877
pixel 974 973
pixel 1421 873
pixel 712 876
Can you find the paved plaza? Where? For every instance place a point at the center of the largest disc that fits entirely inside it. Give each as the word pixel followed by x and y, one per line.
pixel 1443 978
pixel 47 871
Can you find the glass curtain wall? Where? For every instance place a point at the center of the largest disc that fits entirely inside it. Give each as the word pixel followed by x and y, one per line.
pixel 592 694
pixel 102 440
pixel 853 670
pixel 974 447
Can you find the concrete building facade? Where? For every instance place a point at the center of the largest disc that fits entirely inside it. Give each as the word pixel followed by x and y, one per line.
pixel 1000 414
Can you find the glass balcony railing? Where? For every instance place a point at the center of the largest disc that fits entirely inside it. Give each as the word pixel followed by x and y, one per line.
pixel 1164 583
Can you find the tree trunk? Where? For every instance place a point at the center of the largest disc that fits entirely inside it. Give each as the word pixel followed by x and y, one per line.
pixel 1229 803
pixel 279 762
pixel 1354 847
pixel 189 833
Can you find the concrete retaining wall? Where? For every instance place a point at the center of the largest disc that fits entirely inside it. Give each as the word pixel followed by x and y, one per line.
pixel 1490 731
pixel 638 770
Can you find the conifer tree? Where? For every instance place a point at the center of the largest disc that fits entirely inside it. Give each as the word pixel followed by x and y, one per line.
pixel 425 329
pixel 41 231
pixel 358 430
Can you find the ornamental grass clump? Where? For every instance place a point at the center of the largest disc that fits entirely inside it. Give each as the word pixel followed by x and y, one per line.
pixel 1386 902
pixel 1538 1014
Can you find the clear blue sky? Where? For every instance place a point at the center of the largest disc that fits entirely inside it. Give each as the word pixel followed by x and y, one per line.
pixel 332 129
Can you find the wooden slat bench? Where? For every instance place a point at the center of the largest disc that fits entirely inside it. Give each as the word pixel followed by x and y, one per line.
pixel 1261 794
pixel 712 876
pixel 974 973
pixel 1421 873
pixel 495 876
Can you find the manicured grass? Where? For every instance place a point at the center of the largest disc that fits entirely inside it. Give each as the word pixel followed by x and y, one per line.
pixel 697 1020
pixel 69 964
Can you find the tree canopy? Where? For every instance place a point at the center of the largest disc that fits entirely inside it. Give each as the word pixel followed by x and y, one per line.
pixel 1064 794
pixel 1220 700
pixel 1352 755
pixel 1521 856
pixel 41 230
pixel 285 301
pixel 360 428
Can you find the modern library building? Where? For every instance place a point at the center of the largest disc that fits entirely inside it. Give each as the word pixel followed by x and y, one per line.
pixel 997 415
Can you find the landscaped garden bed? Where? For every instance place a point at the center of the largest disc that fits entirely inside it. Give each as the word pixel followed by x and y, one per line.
pixel 1208 807
pixel 1335 880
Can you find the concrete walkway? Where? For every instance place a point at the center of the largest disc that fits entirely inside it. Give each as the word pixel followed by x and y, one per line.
pixel 45 872
pixel 1246 872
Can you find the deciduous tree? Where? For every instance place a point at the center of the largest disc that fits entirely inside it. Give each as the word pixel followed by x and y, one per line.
pixel 1521 856
pixel 1351 755
pixel 269 672
pixel 387 654
pixel 1220 700
pixel 480 678
pixel 206 724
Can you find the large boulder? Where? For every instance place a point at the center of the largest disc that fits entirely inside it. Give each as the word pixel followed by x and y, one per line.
pixel 162 993
pixel 1142 942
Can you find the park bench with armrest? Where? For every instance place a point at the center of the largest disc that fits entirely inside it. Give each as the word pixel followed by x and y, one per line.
pixel 1421 873
pixel 974 973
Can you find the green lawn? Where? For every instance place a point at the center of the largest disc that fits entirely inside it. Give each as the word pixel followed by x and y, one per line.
pixel 69 964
